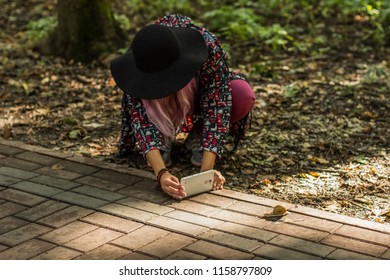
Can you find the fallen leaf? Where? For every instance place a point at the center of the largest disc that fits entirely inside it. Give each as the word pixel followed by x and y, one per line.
pixel 74 134
pixel 267 182
pixel 285 178
pixel 112 82
pixel 45 80
pixel 370 115
pixel 7 131
pixel 288 162
pixel 360 159
pixel 385 212
pixel 314 174
pixel 248 171
pixel 57 167
pixel 255 160
pixel 95 145
pixel 332 206
pixel 92 125
pixel 270 158
pixel 70 121
pixel 12 82
pixel 26 88
pixel 318 159
pixel 379 220
pixel 361 200
pixel 344 203
pixel 306 145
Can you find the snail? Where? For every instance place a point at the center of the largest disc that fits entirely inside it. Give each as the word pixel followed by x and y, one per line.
pixel 278 211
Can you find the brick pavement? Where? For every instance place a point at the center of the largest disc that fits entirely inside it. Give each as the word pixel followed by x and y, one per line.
pixel 59 206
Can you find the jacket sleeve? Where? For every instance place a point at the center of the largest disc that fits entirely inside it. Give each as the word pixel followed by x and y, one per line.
pixel 146 133
pixel 216 97
pixel 126 141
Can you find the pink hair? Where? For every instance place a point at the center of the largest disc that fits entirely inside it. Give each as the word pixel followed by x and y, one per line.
pixel 168 113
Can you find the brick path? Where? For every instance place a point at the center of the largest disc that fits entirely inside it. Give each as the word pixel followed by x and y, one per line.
pixel 58 206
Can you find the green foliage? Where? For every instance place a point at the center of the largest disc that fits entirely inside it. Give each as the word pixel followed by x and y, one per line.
pixel 236 23
pixel 255 27
pixel 123 21
pixel 379 15
pixel 241 23
pixel 376 73
pixel 150 10
pixel 41 28
pixel 290 91
pixel 70 121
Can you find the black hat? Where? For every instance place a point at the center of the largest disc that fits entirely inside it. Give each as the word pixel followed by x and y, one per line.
pixel 161 61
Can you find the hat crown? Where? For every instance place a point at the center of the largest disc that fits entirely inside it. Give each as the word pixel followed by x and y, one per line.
pixel 155 48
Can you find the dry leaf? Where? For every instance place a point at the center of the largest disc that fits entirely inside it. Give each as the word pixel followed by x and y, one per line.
pixel 45 80
pixel 96 146
pixel 286 178
pixel 314 174
pixel 385 212
pixel 57 167
pixel 302 175
pixel 318 159
pixel 248 171
pixel 370 115
pixel 112 82
pixel 7 131
pixel 344 203
pixel 288 162
pixel 74 134
pixel 267 182
pixel 362 200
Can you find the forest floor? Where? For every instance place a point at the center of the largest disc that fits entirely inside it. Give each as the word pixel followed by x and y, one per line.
pixel 319 135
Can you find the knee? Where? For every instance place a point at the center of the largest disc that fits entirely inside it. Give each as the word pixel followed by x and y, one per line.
pixel 243 99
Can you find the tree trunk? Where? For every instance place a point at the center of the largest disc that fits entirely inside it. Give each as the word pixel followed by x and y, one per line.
pixel 86 29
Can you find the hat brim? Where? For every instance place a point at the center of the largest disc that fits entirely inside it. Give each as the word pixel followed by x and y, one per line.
pixel 154 85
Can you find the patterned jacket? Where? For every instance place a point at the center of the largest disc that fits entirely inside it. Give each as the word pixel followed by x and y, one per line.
pixel 215 100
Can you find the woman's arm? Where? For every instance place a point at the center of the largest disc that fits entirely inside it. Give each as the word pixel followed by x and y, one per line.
pixel 155 159
pixel 208 161
pixel 152 141
pixel 169 183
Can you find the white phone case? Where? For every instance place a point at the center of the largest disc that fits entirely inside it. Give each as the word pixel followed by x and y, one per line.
pixel 198 183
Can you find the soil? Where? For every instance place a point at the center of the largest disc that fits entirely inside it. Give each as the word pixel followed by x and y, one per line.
pixel 318 136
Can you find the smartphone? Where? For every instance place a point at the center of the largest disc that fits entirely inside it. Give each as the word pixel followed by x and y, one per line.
pixel 198 183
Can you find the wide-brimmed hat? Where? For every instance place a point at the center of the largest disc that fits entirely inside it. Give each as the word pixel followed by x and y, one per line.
pixel 160 61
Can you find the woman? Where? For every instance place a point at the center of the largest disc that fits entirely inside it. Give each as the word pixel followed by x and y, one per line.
pixel 174 75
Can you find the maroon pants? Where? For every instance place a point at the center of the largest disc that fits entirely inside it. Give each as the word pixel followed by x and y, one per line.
pixel 243 99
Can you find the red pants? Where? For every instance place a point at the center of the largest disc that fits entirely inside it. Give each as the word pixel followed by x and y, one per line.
pixel 243 99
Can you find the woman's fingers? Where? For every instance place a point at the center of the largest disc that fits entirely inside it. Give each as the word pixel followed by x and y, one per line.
pixel 172 187
pixel 174 193
pixel 219 180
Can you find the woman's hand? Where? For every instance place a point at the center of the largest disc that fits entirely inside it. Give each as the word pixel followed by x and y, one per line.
pixel 219 180
pixel 208 163
pixel 171 186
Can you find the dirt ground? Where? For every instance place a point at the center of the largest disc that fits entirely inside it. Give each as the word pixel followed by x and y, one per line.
pixel 319 132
